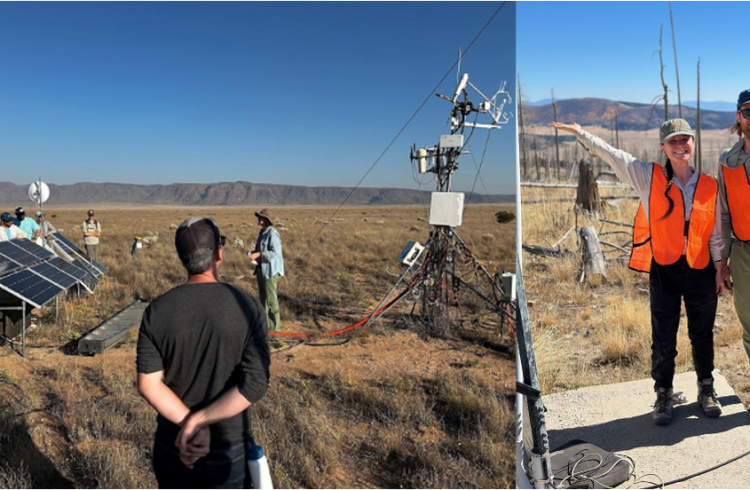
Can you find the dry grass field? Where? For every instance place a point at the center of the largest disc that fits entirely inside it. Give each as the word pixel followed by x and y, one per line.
pixel 599 332
pixel 390 408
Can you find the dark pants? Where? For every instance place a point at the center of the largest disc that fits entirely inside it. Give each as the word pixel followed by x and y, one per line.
pixel 698 288
pixel 223 467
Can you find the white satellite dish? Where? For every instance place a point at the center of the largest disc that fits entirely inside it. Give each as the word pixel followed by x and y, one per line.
pixel 39 192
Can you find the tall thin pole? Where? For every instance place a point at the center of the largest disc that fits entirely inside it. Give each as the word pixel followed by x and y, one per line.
pixel 663 84
pixel 676 71
pixel 557 145
pixel 521 131
pixel 698 121
pixel 617 133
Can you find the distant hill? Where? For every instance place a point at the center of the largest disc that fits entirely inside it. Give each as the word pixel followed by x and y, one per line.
pixel 630 115
pixel 223 194
pixel 712 106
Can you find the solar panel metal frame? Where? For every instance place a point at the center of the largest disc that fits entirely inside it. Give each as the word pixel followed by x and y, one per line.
pixel 25 275
pixel 89 281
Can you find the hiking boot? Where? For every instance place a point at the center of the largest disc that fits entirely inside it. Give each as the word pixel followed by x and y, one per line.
pixel 663 406
pixel 707 398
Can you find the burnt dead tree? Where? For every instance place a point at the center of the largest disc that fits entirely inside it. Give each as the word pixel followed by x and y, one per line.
pixel 587 197
pixel 521 132
pixel 557 142
pixel 699 146
pixel 676 71
pixel 663 83
pixel 593 257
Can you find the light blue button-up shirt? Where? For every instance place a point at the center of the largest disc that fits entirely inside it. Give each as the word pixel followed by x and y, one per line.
pixel 269 246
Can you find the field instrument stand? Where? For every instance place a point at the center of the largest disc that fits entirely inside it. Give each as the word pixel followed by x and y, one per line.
pixel 449 265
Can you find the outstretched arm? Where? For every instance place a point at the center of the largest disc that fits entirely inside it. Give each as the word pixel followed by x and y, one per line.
pixel 570 128
pixel 629 169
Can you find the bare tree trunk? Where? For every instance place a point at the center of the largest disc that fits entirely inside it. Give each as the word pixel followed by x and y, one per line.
pixel 663 84
pixel 676 71
pixel 593 256
pixel 617 132
pixel 521 132
pixel 536 161
pixel 587 197
pixel 557 145
pixel 698 121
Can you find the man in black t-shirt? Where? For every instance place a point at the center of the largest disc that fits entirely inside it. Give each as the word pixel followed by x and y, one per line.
pixel 202 360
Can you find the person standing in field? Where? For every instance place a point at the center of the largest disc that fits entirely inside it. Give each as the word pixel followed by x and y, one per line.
pixel 46 227
pixel 9 231
pixel 202 360
pixel 92 231
pixel 677 239
pixel 28 226
pixel 270 266
pixel 734 191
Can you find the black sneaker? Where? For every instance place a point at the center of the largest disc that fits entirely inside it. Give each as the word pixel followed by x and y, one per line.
pixel 663 406
pixel 707 398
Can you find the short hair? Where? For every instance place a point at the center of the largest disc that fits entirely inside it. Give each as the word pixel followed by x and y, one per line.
pixel 198 261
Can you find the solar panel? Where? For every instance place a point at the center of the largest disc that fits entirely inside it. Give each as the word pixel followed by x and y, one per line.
pixel 89 279
pixel 55 275
pixel 7 265
pixel 16 254
pixel 96 268
pixel 32 248
pixel 68 268
pixel 30 287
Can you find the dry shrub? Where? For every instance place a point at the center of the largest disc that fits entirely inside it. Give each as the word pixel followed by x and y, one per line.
pixel 624 331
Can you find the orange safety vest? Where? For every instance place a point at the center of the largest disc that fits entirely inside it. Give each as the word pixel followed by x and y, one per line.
pixel 664 239
pixel 738 198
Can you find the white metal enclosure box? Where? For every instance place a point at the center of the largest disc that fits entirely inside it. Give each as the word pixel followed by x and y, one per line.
pixel 447 208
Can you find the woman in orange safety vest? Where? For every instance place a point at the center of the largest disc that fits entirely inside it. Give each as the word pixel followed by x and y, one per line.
pixel 677 239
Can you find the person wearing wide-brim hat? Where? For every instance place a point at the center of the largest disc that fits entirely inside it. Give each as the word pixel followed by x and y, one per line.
pixel 270 266
pixel 677 239
pixel 734 193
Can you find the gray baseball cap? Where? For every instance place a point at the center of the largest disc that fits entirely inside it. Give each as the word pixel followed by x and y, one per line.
pixel 674 127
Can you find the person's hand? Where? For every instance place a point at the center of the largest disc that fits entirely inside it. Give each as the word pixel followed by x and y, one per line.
pixel 723 279
pixel 191 427
pixel 570 128
pixel 254 256
pixel 197 447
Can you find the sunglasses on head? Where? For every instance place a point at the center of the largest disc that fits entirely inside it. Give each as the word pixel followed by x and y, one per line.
pixel 745 113
pixel 222 240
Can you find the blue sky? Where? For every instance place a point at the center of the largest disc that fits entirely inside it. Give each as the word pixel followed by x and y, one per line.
pixel 609 49
pixel 290 93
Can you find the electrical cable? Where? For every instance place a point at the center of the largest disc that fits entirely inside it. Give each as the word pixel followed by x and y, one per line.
pixel 354 326
pixel 694 475
pixel 388 147
pixel 479 170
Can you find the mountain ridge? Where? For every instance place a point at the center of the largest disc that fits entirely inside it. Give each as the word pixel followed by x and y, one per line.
pixel 630 115
pixel 238 193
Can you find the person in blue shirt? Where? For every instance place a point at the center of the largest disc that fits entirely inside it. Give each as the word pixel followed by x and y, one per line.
pixel 28 226
pixel 270 266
